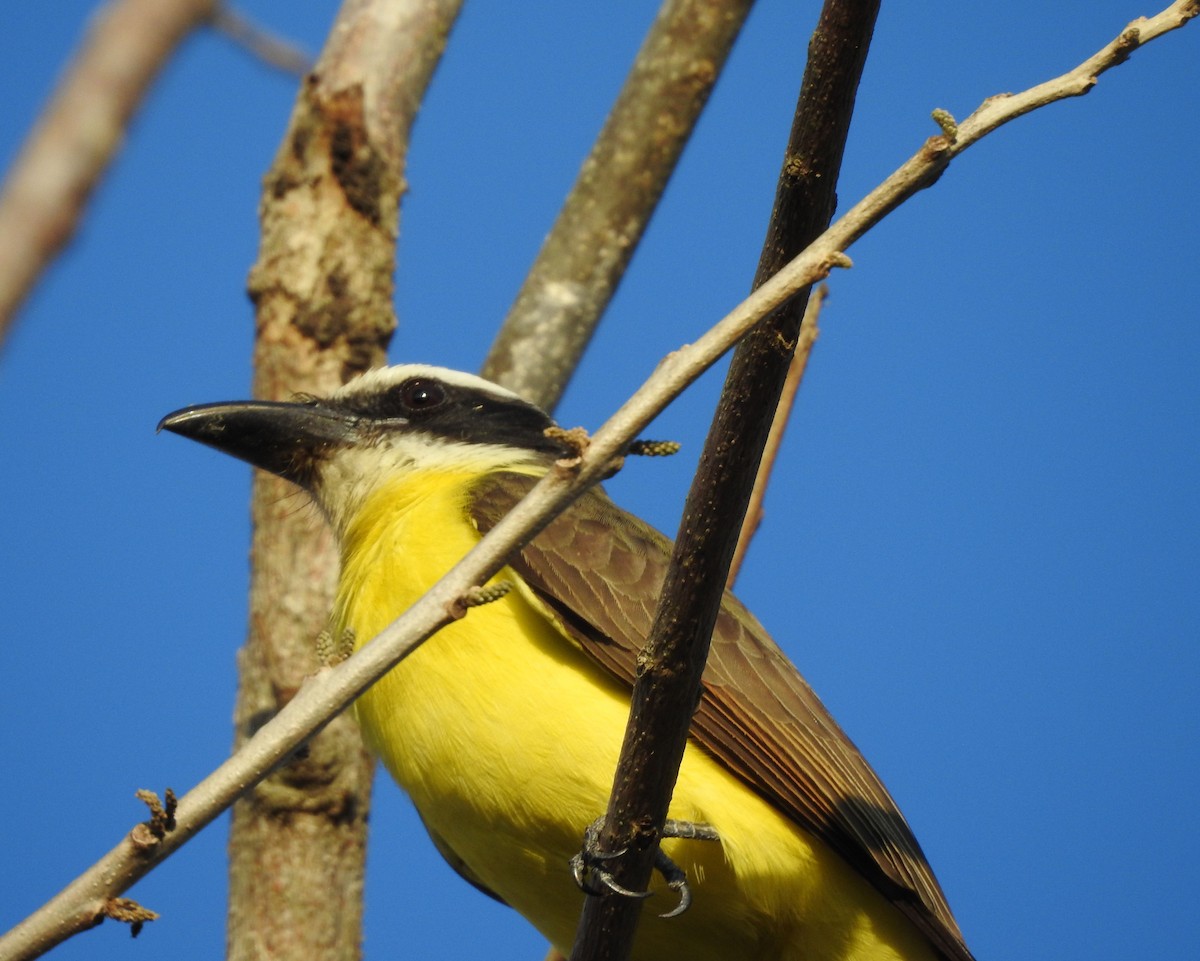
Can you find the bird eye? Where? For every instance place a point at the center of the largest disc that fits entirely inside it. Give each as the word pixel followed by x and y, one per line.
pixel 418 394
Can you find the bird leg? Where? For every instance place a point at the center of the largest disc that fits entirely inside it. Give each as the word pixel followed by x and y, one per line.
pixel 589 872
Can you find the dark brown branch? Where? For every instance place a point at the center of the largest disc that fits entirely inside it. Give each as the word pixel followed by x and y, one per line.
pixel 80 131
pixel 585 255
pixel 667 691
pixel 323 290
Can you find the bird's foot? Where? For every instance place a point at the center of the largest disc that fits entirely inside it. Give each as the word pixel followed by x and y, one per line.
pixel 588 866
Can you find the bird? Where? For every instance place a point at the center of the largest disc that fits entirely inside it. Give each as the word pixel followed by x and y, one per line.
pixel 504 728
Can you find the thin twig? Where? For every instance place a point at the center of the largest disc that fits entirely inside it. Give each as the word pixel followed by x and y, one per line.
pixel 587 250
pixel 809 331
pixel 79 132
pixel 327 693
pixel 260 43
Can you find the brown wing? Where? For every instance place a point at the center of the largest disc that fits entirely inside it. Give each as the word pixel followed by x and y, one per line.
pixel 600 570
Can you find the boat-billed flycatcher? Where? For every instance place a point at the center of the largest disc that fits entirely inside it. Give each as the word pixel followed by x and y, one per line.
pixel 505 727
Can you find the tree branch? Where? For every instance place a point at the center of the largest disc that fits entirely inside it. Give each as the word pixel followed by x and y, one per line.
pixel 323 291
pixel 668 685
pixel 330 691
pixel 587 250
pixel 80 131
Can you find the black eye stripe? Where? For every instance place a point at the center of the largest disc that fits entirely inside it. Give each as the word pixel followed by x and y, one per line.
pixel 456 412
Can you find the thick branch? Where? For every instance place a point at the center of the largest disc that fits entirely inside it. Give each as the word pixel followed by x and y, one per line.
pixel 585 255
pixel 80 131
pixel 321 697
pixel 668 688
pixel 323 292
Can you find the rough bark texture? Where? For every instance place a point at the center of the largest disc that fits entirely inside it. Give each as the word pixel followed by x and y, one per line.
pixel 666 693
pixel 585 255
pixel 322 289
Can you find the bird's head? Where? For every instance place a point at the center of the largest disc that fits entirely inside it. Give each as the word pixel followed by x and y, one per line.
pixel 374 429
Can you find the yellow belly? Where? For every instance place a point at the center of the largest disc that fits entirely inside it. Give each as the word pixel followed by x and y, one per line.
pixel 505 735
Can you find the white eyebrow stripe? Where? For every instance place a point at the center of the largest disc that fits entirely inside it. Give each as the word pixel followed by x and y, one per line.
pixel 380 379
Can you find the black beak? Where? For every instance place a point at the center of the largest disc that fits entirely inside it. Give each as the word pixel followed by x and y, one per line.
pixel 282 438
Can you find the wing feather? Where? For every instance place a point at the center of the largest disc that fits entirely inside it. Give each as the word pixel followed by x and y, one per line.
pixel 600 570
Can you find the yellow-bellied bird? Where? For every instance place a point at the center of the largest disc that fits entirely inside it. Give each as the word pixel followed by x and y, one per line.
pixel 505 727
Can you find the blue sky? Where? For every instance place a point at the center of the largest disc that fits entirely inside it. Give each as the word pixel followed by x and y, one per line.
pixel 983 542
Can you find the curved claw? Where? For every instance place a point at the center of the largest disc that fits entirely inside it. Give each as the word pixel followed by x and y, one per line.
pixel 685 901
pixel 676 880
pixel 609 882
pixel 594 880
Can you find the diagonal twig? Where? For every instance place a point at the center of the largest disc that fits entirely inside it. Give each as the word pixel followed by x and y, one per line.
pixel 77 905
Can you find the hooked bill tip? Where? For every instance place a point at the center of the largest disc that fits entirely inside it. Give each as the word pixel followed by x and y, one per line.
pixel 178 420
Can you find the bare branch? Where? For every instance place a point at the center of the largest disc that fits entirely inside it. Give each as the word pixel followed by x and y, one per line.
pixel 585 255
pixel 1000 109
pixel 80 131
pixel 667 689
pixel 323 291
pixel 329 691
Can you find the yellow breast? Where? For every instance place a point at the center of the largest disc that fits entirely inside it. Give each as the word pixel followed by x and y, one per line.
pixel 506 735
